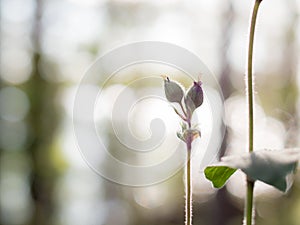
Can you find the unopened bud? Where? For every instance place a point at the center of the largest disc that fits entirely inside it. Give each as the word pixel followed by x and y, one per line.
pixel 194 97
pixel 191 133
pixel 174 91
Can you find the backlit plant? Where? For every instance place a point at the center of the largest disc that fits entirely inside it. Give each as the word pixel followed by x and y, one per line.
pixel 188 101
pixel 269 166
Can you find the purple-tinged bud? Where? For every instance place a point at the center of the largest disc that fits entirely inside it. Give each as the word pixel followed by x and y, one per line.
pixel 189 134
pixel 174 91
pixel 194 97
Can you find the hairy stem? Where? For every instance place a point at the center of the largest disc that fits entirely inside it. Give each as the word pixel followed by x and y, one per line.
pixel 250 184
pixel 249 203
pixel 188 211
pixel 250 76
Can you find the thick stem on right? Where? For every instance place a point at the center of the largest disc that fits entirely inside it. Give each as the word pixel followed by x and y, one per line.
pixel 250 73
pixel 249 203
pixel 249 80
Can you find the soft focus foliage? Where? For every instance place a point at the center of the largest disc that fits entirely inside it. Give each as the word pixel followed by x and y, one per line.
pixel 46 47
pixel 271 167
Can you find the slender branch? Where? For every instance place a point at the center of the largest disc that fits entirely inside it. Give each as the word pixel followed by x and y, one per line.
pixel 183 110
pixel 181 116
pixel 250 184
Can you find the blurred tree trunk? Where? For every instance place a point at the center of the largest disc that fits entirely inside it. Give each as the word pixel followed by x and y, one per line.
pixel 289 74
pixel 1 85
pixel 42 122
pixel 290 93
pixel 224 208
pixel 287 102
pixel 226 26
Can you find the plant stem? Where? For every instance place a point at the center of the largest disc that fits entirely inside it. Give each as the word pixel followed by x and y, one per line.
pixel 250 76
pixel 249 203
pixel 188 212
pixel 183 110
pixel 250 184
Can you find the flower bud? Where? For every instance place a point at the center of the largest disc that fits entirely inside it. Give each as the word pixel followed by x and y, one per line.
pixel 194 97
pixel 174 91
pixel 188 134
pixel 192 133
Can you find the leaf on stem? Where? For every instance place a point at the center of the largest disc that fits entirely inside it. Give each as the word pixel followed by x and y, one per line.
pixel 180 136
pixel 218 175
pixel 173 90
pixel 270 167
pixel 193 133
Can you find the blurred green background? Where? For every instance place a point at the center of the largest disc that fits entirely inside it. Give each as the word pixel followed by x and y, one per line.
pixel 47 45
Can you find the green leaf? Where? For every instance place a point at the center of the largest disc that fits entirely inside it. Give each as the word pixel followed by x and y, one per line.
pixel 270 167
pixel 218 175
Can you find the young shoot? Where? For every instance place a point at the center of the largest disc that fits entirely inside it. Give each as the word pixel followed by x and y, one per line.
pixel 188 101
